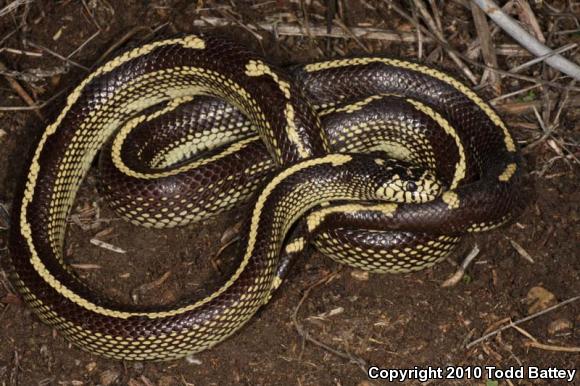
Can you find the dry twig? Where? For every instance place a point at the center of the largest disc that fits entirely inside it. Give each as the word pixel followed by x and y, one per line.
pixel 530 317
pixel 551 347
pixel 485 42
pixel 453 280
pixel 285 29
pixel 20 91
pixel 11 7
pixel 525 39
pixel 439 34
pixel 360 362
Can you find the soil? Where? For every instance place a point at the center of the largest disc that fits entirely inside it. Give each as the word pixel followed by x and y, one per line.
pixel 391 321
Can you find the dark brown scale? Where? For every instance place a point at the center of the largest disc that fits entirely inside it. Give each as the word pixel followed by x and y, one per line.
pixel 144 143
pixel 397 248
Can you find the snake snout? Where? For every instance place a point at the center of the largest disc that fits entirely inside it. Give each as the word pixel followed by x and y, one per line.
pixel 409 184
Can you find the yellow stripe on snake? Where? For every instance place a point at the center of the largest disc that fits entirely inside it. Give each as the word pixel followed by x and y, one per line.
pixel 347 153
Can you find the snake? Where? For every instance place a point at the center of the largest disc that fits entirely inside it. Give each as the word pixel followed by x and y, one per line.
pixel 304 136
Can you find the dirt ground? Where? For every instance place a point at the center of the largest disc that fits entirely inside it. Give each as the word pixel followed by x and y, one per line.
pixel 391 321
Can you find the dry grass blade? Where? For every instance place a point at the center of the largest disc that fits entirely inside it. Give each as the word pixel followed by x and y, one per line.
pixel 286 29
pixel 437 32
pixel 57 55
pixel 528 17
pixel 13 6
pixel 107 246
pixel 85 266
pixel 521 251
pixel 33 107
pixel 485 42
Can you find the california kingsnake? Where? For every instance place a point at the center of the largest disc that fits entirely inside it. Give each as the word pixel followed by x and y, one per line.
pixel 475 156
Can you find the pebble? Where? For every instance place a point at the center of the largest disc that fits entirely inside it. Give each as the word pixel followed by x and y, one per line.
pixel 167 381
pixel 360 275
pixel 108 377
pixel 90 367
pixel 538 299
pixel 559 326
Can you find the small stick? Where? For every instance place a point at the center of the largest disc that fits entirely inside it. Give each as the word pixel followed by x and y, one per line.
pixel 85 266
pixel 34 107
pixel 525 333
pixel 284 29
pixel 550 347
pixel 107 246
pixel 419 36
pixel 527 16
pixel 11 7
pixel 21 52
pixel 560 50
pixel 513 93
pixel 306 18
pixel 546 131
pixel 57 55
pixel 453 280
pixel 76 50
pixel 306 335
pixel 436 15
pixel 563 101
pixel 4 216
pixel 236 21
pixel 20 91
pixel 352 35
pixel 513 29
pixel 92 17
pixel 521 251
pixel 520 321
pixel 8 36
pixel 552 84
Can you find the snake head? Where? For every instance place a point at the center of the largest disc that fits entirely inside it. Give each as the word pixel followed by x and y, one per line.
pixel 405 183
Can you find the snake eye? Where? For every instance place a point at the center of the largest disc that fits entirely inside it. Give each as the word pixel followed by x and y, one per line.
pixel 411 186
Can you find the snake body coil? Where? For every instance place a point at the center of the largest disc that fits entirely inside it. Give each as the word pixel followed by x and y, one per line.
pixel 471 151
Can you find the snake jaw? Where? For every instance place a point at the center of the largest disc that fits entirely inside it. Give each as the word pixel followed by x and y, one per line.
pixel 430 187
pixel 407 184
